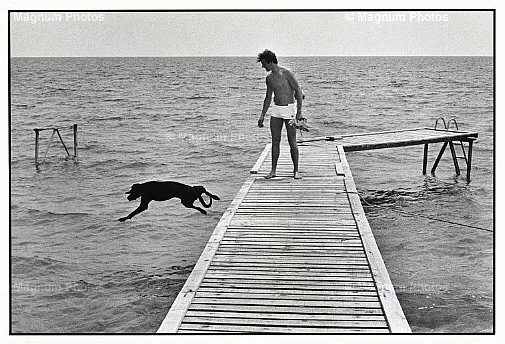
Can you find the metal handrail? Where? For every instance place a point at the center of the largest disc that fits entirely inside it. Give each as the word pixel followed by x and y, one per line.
pixel 443 120
pixel 452 120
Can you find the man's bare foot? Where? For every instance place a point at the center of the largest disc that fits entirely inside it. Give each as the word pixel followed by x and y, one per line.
pixel 270 175
pixel 297 175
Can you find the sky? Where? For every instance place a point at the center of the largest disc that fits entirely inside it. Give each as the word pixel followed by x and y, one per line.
pixel 287 33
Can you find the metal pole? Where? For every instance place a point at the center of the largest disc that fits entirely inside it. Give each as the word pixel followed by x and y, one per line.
pixel 75 141
pixel 439 157
pixel 63 143
pixel 36 146
pixel 50 143
pixel 469 161
pixel 454 158
pixel 425 159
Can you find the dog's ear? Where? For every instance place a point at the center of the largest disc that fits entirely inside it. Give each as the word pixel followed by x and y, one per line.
pixel 199 189
pixel 134 186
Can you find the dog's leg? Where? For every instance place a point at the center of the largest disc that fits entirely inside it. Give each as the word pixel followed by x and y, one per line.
pixel 199 209
pixel 189 204
pixel 142 207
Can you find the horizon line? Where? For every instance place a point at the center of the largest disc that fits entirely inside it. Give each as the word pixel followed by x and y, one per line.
pixel 252 56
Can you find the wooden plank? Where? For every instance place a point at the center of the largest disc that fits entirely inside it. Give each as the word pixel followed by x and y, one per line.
pixel 294 255
pixel 289 303
pixel 292 223
pixel 336 287
pixel 280 277
pixel 351 274
pixel 356 287
pixel 270 242
pixel 291 249
pixel 291 237
pixel 308 322
pixel 289 309
pixel 297 228
pixel 280 265
pixel 288 316
pixel 292 292
pixel 290 269
pixel 291 233
pixel 294 259
pixel 279 329
pixel 286 296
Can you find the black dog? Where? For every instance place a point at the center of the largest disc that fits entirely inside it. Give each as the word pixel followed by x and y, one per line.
pixel 162 191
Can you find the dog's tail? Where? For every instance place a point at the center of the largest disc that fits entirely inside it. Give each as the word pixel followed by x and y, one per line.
pixel 200 198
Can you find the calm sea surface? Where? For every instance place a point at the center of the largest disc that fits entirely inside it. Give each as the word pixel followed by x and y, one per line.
pixel 75 268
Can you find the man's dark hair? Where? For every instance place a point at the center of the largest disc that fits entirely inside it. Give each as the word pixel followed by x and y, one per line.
pixel 267 56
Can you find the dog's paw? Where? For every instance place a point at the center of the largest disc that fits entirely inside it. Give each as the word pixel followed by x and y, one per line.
pixel 215 197
pixel 203 212
pixel 123 219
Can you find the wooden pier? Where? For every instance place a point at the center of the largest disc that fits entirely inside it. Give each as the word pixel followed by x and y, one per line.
pixel 291 256
pixel 411 137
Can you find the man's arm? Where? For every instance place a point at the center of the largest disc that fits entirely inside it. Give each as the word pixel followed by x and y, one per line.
pixel 266 104
pixel 298 94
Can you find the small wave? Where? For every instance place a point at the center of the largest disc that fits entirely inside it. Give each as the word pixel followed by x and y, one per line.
pixel 113 118
pixel 34 265
pixel 90 146
pixel 379 197
pixel 115 100
pixel 58 90
pixel 428 189
pixel 200 97
pixel 41 213
pixel 401 83
pixel 137 164
pixel 24 106
pixel 143 281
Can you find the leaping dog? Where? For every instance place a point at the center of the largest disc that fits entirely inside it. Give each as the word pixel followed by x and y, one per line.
pixel 163 191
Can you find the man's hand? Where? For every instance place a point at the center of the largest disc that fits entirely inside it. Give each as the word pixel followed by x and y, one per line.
pixel 260 121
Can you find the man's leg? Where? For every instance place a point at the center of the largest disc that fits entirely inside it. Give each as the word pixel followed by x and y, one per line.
pixel 291 129
pixel 275 130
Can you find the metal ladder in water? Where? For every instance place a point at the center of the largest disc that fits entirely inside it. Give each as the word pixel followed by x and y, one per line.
pixel 447 126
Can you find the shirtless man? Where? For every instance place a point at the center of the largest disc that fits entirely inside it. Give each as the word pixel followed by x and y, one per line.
pixel 283 85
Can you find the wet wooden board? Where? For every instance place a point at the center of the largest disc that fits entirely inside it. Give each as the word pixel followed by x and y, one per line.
pixel 291 256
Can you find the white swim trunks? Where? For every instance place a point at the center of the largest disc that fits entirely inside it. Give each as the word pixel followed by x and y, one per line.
pixel 283 111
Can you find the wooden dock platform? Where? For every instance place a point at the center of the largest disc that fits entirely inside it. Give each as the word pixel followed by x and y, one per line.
pixel 411 137
pixel 291 256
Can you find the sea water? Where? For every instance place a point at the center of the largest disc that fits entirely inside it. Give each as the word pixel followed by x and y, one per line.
pixel 75 268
